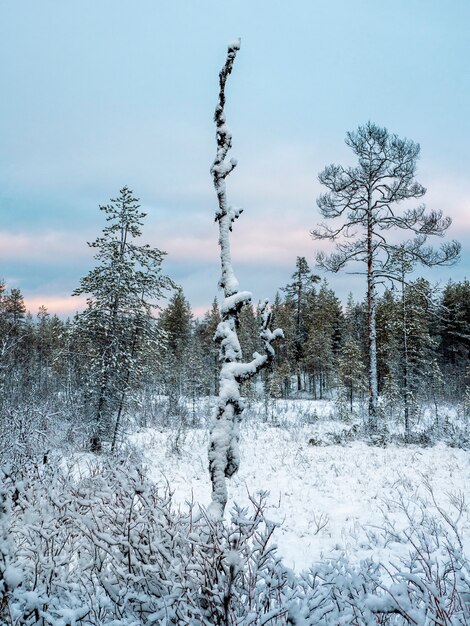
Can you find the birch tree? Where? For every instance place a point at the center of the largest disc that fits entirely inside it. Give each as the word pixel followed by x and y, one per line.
pixel 224 457
pixel 362 202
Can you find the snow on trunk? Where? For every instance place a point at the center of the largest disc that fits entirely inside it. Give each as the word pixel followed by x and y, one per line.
pixel 224 456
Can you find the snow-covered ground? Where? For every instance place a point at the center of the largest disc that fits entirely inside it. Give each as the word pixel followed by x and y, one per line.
pixel 327 498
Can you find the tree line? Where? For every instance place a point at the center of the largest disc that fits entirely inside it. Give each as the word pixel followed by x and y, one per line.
pixel 95 370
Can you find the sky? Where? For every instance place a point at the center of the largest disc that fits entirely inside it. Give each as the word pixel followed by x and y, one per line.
pixel 98 95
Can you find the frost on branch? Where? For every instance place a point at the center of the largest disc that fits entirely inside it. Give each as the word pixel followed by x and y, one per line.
pixel 223 448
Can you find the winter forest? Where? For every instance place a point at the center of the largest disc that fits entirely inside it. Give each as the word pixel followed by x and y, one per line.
pixel 295 461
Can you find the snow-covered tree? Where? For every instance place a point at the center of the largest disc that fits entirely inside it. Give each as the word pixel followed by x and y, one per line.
pixel 175 322
pixel 284 362
pixel 351 370
pixel 223 447
pixel 389 330
pixel 205 331
pixel 419 369
pixel 298 293
pixel 123 289
pixel 17 349
pixel 362 200
pixel 248 335
pixel 325 320
pixel 455 332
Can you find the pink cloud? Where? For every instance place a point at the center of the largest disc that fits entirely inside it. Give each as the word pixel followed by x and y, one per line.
pixel 200 311
pixel 60 305
pixel 274 240
pixel 41 246
pixel 190 248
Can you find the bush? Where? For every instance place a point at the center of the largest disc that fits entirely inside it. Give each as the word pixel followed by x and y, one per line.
pixel 101 545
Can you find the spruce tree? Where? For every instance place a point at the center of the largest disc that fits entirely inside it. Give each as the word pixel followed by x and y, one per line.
pixel 175 322
pixel 325 321
pixel 420 340
pixel 454 332
pixel 14 308
pixel 284 363
pixel 351 370
pixel 297 296
pixel 206 330
pixel 389 348
pixel 248 335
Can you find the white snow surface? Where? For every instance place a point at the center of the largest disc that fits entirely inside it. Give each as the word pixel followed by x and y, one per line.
pixel 327 499
pixel 235 44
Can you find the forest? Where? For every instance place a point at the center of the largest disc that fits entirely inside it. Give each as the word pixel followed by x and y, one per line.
pixel 166 362
pixel 298 462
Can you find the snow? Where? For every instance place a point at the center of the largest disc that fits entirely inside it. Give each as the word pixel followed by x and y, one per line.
pixel 327 499
pixel 236 300
pixel 233 559
pixel 235 44
pixel 12 577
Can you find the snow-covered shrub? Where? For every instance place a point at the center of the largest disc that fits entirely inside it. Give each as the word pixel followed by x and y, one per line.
pixel 105 546
pixel 102 545
pixel 30 430
pixel 431 585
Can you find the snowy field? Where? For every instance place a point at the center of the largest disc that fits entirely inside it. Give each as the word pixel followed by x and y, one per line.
pixel 375 534
pixel 327 499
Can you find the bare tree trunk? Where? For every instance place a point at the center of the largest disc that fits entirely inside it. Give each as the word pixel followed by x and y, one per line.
pixel 100 429
pixel 298 344
pixel 406 391
pixel 117 423
pixel 372 329
pixel 224 456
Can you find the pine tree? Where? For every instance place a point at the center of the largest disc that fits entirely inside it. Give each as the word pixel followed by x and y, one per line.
pixel 16 350
pixel 123 291
pixel 363 201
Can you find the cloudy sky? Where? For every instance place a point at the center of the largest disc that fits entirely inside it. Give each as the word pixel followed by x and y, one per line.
pixel 98 94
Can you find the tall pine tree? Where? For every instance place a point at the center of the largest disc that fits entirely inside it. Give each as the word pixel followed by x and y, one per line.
pixel 123 290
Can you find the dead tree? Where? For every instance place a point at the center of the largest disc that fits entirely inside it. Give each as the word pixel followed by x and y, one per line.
pixel 224 457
